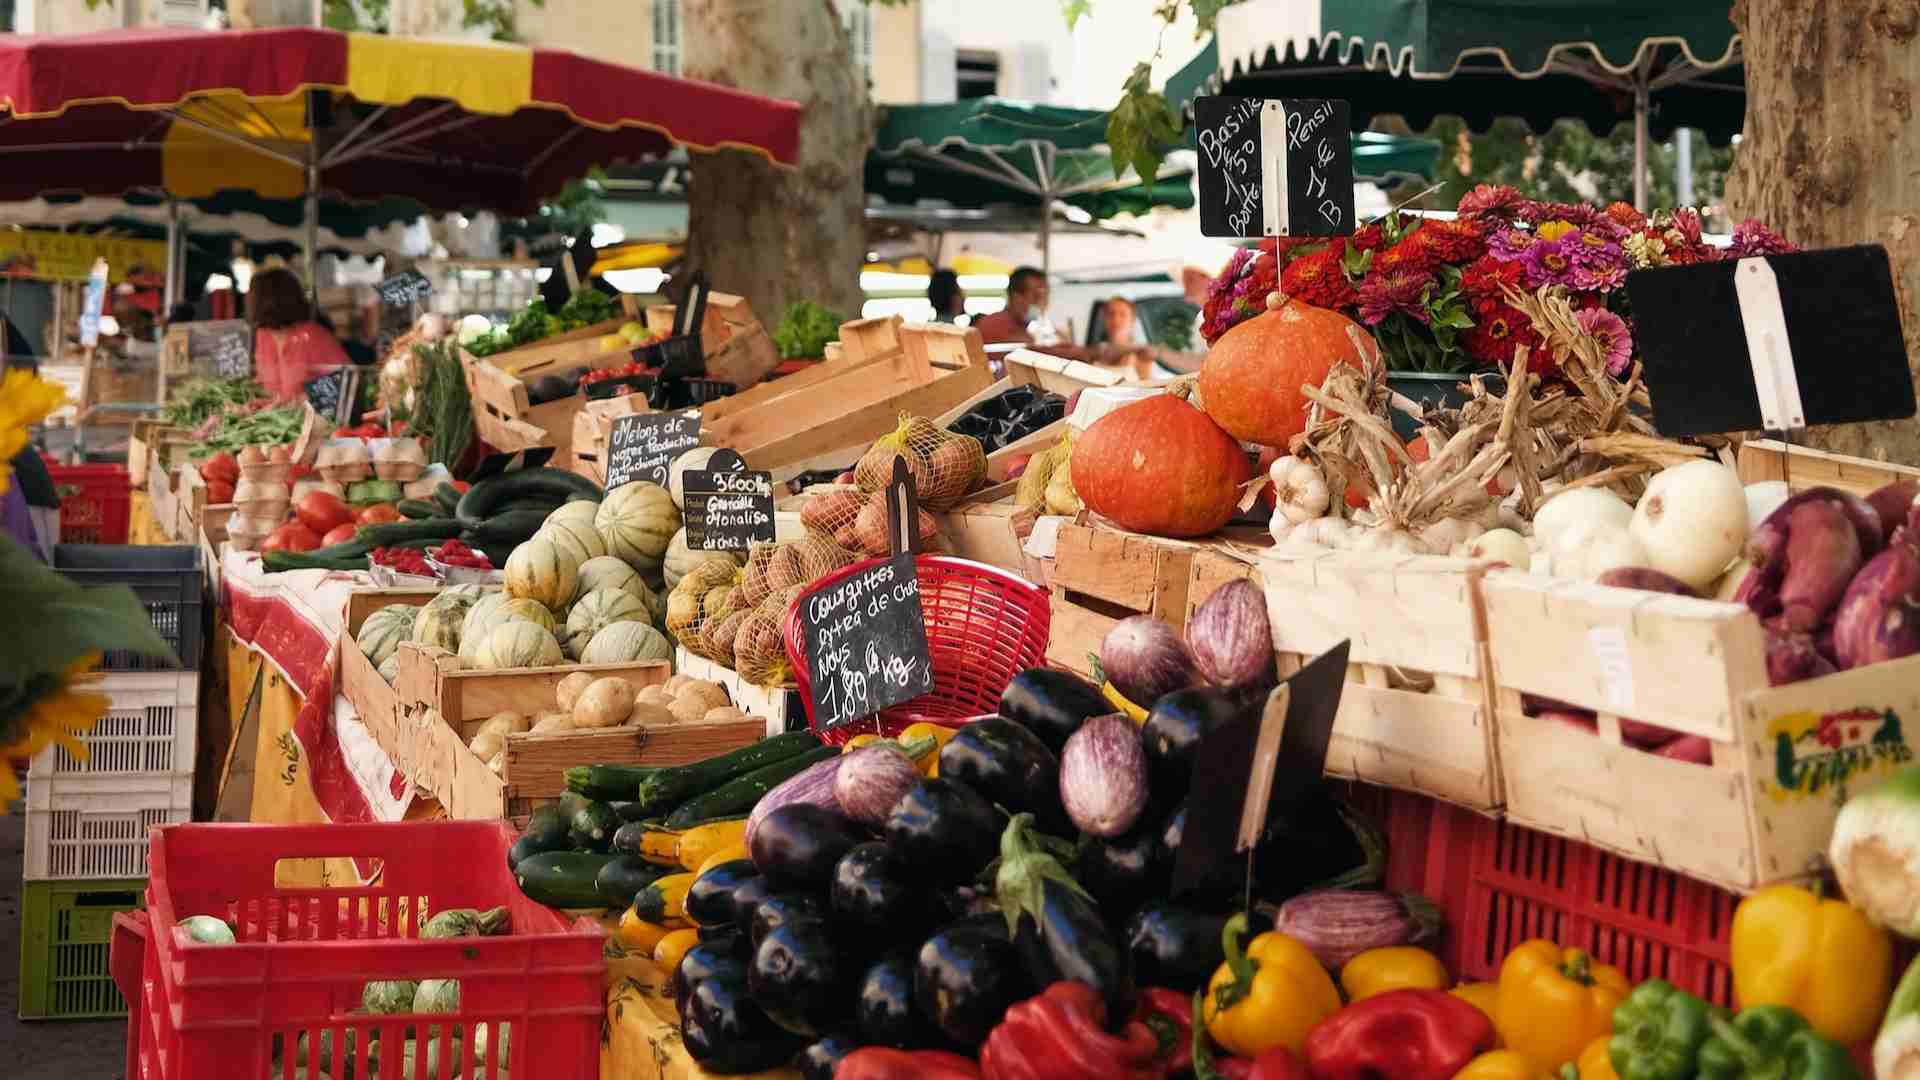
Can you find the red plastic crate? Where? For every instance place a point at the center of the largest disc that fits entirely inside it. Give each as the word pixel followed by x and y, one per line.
pixel 95 502
pixel 304 954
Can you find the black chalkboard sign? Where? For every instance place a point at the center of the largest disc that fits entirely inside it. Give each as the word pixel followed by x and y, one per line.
pixel 1274 167
pixel 226 346
pixel 643 445
pixel 1233 797
pixel 404 289
pixel 727 509
pixel 866 641
pixel 1824 327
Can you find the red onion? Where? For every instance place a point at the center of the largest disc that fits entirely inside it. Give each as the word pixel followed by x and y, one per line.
pixel 1893 503
pixel 1646 580
pixel 1230 637
pixel 1144 658
pixel 1103 776
pixel 1879 617
pixel 1692 748
pixel 1823 553
pixel 1792 658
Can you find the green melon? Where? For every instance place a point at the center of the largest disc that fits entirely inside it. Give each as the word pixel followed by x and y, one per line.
pixel 638 521
pixel 542 571
pixel 517 643
pixel 438 623
pixel 481 613
pixel 626 642
pixel 599 609
pixel 579 510
pixel 607 572
pixel 530 610
pixel 580 540
pixel 384 630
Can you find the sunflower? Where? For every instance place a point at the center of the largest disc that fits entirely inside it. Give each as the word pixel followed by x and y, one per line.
pixel 55 707
pixel 25 400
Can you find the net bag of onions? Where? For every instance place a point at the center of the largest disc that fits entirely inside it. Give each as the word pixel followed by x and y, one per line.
pixel 723 611
pixel 945 467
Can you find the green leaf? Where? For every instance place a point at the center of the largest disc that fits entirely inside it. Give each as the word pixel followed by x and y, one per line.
pixel 1075 10
pixel 1142 128
pixel 69 621
pixel 1208 11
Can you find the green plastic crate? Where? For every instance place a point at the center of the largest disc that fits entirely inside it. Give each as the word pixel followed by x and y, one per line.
pixel 65 930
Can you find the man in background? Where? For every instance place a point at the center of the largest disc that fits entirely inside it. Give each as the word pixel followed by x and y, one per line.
pixel 1024 321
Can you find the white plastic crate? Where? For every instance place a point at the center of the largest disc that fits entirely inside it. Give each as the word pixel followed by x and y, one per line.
pixel 93 828
pixel 150 728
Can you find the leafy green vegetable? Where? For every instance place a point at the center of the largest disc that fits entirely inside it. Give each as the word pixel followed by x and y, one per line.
pixel 268 427
pixel 437 996
pixel 805 330
pixel 197 399
pixel 465 922
pixel 1176 330
pixel 391 996
pixel 445 410
pixel 588 306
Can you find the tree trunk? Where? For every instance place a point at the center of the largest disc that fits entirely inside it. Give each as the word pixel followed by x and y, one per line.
pixel 771 234
pixel 1828 154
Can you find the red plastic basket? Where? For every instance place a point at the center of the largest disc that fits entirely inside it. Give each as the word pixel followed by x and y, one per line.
pixel 984 626
pixel 303 954
pixel 95 502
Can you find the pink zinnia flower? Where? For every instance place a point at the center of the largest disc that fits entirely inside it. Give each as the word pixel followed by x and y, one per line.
pixel 1509 244
pixel 1489 200
pixel 1751 238
pixel 1610 331
pixel 1550 264
pixel 1403 290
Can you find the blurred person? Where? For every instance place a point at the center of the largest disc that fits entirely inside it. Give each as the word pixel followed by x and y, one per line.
pixel 943 292
pixel 1027 293
pixel 31 513
pixel 291 347
pixel 1125 345
pixel 182 312
pixel 1122 322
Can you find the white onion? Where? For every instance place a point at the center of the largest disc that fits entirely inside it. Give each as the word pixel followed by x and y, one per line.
pixel 1692 521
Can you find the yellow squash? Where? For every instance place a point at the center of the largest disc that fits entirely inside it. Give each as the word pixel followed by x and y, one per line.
pixel 1498 1065
pixel 667 954
pixel 639 935
pixel 697 845
pixel 1822 958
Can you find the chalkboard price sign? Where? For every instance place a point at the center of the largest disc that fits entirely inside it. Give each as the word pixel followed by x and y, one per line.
pixel 1271 167
pixel 405 289
pixel 866 641
pixel 643 445
pixel 728 510
pixel 225 345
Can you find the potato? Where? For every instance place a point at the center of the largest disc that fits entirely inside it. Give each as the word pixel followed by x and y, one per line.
pixel 673 684
pixel 654 695
pixel 504 723
pixel 552 723
pixel 487 744
pixel 570 689
pixel 605 703
pixel 723 713
pixel 688 710
pixel 645 715
pixel 712 693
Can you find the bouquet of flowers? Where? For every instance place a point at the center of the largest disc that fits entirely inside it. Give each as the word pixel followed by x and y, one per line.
pixel 1435 292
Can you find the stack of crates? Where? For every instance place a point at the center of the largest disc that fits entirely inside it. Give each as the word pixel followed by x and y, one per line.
pixel 87 818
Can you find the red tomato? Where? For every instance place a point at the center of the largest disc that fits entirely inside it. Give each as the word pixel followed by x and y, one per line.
pixel 219 491
pixel 339 534
pixel 461 486
pixel 320 511
pixel 293 536
pixel 221 468
pixel 377 514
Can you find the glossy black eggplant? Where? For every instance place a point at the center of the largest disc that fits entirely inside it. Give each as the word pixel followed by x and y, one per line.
pixel 944 830
pixel 1174 946
pixel 710 898
pixel 802 978
pixel 1058 928
pixel 1126 871
pixel 1052 704
pixel 821 1057
pixel 705 961
pixel 1008 765
pixel 1321 844
pixel 727 1033
pixel 728 938
pixel 782 908
pixel 796 846
pixel 883 1012
pixel 966 976
pixel 873 891
pixel 746 898
pixel 1171 735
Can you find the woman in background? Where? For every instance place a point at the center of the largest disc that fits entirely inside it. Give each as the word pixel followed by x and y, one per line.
pixel 943 292
pixel 290 347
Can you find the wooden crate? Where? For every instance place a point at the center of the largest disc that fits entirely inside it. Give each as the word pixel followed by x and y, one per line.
pixel 1802 468
pixel 1416 712
pixel 1028 368
pixel 778 708
pixel 154 441
pixel 1784 758
pixel 988 527
pixel 195 514
pixel 885 369
pixel 592 429
pixel 502 413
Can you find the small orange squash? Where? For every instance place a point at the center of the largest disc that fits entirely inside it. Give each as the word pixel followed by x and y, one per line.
pixel 1160 466
pixel 1252 376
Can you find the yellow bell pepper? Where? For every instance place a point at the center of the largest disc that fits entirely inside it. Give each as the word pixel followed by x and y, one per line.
pixel 639 935
pixel 1596 1062
pixel 939 733
pixel 1555 1001
pixel 1399 967
pixel 667 954
pixel 1498 1065
pixel 1484 996
pixel 1269 993
pixel 1821 958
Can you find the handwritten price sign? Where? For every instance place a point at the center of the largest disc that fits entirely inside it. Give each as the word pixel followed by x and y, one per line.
pixel 866 641
pixel 1281 167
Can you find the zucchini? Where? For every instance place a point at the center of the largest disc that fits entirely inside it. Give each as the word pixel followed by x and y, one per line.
pixel 329 558
pixel 419 509
pixel 665 898
pixel 671 786
pixel 569 803
pixel 562 879
pixel 626 839
pixel 447 497
pixel 511 527
pixel 737 796
pixel 624 780
pixel 592 826
pixel 623 877
pixel 532 844
pixel 397 532
pixel 549 823
pixel 484 499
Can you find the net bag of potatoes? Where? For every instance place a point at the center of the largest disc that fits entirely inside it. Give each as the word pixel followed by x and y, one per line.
pixel 945 467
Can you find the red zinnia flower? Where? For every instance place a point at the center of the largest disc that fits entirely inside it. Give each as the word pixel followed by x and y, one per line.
pixel 1367 238
pixel 1318 279
pixel 1498 332
pixel 1484 278
pixel 1403 290
pixel 1497 201
pixel 1621 214
pixel 1409 254
pixel 1461 240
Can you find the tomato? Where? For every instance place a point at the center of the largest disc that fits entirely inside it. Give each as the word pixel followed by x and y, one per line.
pixel 300 471
pixel 377 514
pixel 219 491
pixel 339 534
pixel 461 486
pixel 293 536
pixel 320 511
pixel 220 467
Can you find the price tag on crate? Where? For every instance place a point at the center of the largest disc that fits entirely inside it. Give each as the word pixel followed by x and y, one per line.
pixel 866 640
pixel 404 289
pixel 643 446
pixel 727 510
pixel 1257 767
pixel 1274 167
pixel 1772 342
pixel 224 346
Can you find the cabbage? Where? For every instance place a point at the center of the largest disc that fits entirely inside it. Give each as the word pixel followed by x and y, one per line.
pixel 207 930
pixel 1900 1031
pixel 345 1068
pixel 482 1037
pixel 387 998
pixel 465 922
pixel 437 996
pixel 1876 852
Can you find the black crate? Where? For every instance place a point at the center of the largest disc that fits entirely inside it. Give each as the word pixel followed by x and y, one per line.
pixel 167 579
pixel 675 357
pixel 689 393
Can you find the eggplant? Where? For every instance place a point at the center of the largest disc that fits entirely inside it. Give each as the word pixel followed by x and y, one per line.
pixel 819 1060
pixel 548 388
pixel 746 898
pixel 967 976
pixel 1052 704
pixel 802 977
pixel 1057 927
pixel 1103 776
pixel 883 1012
pixel 702 962
pixel 1174 946
pixel 727 1033
pixel 1172 733
pixel 1008 765
pixel 1124 872
pixel 710 898
pixel 944 830
pixel 782 908
pixel 873 891
pixel 1323 844
pixel 727 938
pixel 796 846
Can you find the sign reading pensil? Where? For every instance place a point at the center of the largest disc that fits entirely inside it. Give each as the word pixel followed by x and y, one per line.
pixel 1273 167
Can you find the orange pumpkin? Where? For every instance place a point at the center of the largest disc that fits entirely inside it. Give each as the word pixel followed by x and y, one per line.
pixel 1252 376
pixel 1160 466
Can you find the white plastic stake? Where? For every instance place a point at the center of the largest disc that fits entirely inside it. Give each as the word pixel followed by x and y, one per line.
pixel 1266 757
pixel 1273 168
pixel 1775 381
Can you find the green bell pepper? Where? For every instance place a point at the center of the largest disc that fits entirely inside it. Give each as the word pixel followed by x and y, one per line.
pixel 1658 1031
pixel 1771 1042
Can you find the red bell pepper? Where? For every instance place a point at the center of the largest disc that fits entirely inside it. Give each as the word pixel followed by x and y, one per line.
pixel 1062 1035
pixel 1402 1035
pixel 1169 1015
pixel 881 1063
